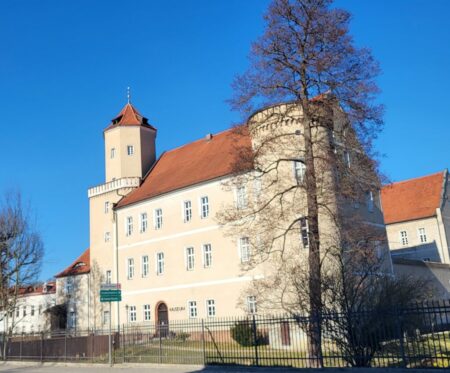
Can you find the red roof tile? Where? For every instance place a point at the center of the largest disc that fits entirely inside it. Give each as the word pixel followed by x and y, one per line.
pixel 26 291
pixel 80 266
pixel 129 116
pixel 199 161
pixel 412 199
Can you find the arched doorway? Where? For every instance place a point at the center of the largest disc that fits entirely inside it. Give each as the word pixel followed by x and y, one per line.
pixel 162 319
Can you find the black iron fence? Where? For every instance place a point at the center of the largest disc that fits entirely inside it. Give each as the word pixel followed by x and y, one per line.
pixel 417 336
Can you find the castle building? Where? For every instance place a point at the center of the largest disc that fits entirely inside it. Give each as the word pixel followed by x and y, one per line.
pixel 154 226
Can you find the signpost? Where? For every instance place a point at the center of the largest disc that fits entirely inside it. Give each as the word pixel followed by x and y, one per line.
pixel 110 293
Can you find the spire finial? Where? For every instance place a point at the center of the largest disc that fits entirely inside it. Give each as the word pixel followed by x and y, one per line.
pixel 128 94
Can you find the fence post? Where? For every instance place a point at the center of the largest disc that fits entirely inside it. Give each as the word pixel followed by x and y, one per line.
pixel 123 342
pixel 203 342
pixel 160 345
pixel 42 346
pixel 21 343
pixel 65 345
pixel 400 336
pixel 255 339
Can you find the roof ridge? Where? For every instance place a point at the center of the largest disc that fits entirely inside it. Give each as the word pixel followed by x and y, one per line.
pixel 414 178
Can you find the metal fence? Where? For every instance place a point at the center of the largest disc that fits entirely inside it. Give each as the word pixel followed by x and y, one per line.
pixel 417 336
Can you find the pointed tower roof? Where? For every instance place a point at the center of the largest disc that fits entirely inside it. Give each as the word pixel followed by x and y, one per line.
pixel 129 116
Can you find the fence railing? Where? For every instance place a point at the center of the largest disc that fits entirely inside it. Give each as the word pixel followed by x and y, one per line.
pixel 417 336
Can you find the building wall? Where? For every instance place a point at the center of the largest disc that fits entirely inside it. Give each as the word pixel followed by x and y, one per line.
pixel 445 215
pixel 436 274
pixel 431 250
pixel 29 323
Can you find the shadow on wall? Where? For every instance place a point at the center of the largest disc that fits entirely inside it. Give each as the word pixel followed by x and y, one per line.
pixel 428 251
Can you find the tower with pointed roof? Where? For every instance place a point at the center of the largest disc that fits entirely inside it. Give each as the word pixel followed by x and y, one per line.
pixel 129 145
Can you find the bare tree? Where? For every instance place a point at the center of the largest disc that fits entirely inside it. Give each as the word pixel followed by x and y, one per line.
pixel 307 60
pixel 21 252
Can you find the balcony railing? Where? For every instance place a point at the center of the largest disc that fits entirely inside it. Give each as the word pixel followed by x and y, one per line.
pixel 124 182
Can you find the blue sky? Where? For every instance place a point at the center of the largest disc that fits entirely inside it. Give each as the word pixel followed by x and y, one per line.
pixel 65 66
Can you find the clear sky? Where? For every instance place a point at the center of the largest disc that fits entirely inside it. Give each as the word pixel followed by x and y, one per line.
pixel 65 66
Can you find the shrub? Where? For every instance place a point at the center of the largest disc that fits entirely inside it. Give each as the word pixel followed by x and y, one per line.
pixel 242 333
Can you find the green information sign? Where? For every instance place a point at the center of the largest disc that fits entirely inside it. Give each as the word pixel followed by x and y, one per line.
pixel 110 294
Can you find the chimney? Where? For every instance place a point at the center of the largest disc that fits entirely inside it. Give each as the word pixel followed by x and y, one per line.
pixel 208 136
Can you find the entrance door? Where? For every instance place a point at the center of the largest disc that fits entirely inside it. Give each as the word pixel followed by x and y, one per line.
pixel 163 319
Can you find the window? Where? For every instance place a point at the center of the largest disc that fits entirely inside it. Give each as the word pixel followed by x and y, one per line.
pixel 147 312
pixel 72 320
pixel 299 171
pixel 129 226
pixel 32 329
pixel 204 207
pixel 251 304
pixel 422 235
pixel 369 201
pixel 159 263
pixel 107 236
pixel 145 266
pixel 426 259
pixel 106 317
pixel 158 219
pixel 404 238
pixel 130 149
pixel 106 207
pixel 17 311
pixel 241 198
pixel 108 277
pixel 69 285
pixel 32 311
pixel 40 309
pixel 190 258
pixel 244 249
pixel 257 187
pixel 144 223
pixel 207 255
pixel 132 314
pixel 304 232
pixel 113 152
pixel 24 311
pixel 130 268
pixel 187 211
pixel 192 308
pixel 210 307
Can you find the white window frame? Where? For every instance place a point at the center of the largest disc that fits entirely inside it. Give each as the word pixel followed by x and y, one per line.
pixel 160 263
pixel 207 255
pixel 72 319
pixel 145 265
pixel 422 234
pixel 132 314
pixel 251 304
pixel 190 258
pixel 192 309
pixel 204 207
pixel 143 222
pixel 112 154
pixel 244 243
pixel 187 211
pixel 108 276
pixel 241 197
pixel 404 238
pixel 370 201
pixel 347 158
pixel 107 236
pixel 105 319
pixel 210 308
pixel 128 226
pixel 106 207
pixel 130 268
pixel 304 232
pixel 158 218
pixel 130 149
pixel 299 171
pixel 147 312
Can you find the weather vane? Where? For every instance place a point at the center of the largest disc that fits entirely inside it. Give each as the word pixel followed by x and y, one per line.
pixel 128 94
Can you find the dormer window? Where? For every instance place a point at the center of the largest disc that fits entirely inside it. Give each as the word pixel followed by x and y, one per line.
pixel 113 153
pixel 130 149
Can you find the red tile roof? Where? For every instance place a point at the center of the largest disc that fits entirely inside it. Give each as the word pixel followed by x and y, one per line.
pixel 129 116
pixel 412 199
pixel 196 162
pixel 80 266
pixel 26 291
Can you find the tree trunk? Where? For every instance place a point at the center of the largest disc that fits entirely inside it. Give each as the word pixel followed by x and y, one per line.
pixel 315 297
